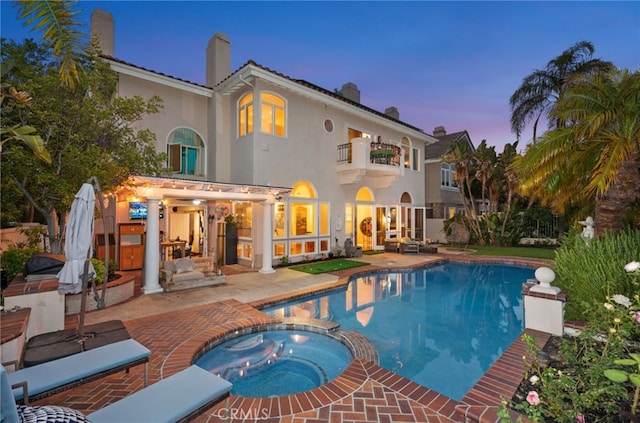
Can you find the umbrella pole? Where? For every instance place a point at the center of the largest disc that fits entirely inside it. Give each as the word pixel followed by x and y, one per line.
pixel 83 303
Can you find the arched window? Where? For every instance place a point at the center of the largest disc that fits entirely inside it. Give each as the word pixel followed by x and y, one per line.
pixel 364 194
pixel 245 115
pixel 273 114
pixel 185 152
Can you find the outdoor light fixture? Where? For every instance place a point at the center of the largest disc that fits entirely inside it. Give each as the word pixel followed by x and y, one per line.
pixel 197 202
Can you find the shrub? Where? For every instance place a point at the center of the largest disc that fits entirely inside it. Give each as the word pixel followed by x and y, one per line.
pixel 14 259
pixel 589 270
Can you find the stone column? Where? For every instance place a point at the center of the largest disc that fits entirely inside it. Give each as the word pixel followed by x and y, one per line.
pixel 544 304
pixel 152 248
pixel 267 237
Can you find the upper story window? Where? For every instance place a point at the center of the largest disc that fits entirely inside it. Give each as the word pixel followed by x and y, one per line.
pixel 354 133
pixel 185 152
pixel 411 155
pixel 448 176
pixel 245 115
pixel 273 114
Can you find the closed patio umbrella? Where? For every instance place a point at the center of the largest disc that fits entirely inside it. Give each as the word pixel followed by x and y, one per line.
pixel 78 249
pixel 78 244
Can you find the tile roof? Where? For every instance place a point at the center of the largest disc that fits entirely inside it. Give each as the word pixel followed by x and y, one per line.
pixel 439 149
pixel 281 75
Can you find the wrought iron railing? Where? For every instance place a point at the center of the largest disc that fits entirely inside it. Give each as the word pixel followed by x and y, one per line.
pixel 381 153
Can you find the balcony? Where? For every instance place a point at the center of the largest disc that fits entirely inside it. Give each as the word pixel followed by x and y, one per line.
pixel 377 164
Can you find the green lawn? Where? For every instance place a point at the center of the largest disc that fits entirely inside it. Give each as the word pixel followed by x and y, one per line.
pixel 531 252
pixel 327 266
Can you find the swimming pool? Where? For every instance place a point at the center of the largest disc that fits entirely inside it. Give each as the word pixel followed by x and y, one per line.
pixel 441 326
pixel 277 362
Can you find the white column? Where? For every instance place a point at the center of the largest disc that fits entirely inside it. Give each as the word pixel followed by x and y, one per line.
pixel 267 237
pixel 152 248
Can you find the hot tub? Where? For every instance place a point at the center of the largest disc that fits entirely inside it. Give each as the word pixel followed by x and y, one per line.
pixel 277 362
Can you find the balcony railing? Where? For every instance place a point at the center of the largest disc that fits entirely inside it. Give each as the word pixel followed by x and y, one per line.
pixel 380 153
pixel 379 162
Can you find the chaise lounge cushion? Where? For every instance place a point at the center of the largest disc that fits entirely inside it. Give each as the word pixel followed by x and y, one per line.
pixel 168 400
pixel 54 374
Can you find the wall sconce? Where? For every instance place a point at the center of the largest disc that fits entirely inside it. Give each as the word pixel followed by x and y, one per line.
pixel 388 218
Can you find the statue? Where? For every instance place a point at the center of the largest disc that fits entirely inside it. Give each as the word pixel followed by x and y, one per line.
pixel 588 231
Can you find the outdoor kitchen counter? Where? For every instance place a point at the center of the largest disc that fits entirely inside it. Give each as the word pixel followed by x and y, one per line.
pixel 13 324
pixel 20 286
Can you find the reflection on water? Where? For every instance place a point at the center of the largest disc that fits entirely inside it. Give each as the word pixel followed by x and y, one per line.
pixel 441 326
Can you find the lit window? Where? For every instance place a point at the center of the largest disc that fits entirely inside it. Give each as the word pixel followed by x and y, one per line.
pixel 273 114
pixel 406 147
pixel 185 152
pixel 245 115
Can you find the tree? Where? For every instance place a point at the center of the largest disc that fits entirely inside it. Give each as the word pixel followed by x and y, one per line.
pixel 88 131
pixel 55 18
pixel 592 161
pixel 541 89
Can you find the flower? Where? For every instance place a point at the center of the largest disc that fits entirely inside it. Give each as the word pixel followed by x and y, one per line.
pixel 622 300
pixel 534 379
pixel 632 266
pixel 608 306
pixel 533 398
pixel 580 418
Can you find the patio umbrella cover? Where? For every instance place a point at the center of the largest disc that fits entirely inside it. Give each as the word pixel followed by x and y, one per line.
pixel 78 244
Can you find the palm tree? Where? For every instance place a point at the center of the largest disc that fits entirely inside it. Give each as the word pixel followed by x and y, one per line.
pixel 592 160
pixel 55 19
pixel 539 90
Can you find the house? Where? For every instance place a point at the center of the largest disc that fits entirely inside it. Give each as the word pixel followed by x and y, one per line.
pixel 302 169
pixel 442 196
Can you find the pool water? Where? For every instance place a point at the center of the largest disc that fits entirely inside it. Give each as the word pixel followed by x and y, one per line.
pixel 441 326
pixel 278 362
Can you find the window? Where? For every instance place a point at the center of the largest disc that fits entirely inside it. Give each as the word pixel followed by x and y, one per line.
pixel 185 152
pixel 406 147
pixel 354 133
pixel 273 114
pixel 328 125
pixel 448 176
pixel 244 217
pixel 415 162
pixel 245 115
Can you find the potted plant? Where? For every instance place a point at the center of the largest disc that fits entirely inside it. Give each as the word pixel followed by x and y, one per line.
pixel 231 240
pixel 382 155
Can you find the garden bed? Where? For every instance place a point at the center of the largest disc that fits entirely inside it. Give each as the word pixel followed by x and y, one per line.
pixel 551 357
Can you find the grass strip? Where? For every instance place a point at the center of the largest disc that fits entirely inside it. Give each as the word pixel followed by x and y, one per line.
pixel 326 266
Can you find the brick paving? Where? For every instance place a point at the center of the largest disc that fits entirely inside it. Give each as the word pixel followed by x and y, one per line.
pixel 365 392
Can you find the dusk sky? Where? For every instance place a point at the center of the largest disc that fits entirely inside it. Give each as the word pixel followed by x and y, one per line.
pixel 451 63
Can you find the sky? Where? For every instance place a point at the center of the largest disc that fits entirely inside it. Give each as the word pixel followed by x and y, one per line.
pixel 452 63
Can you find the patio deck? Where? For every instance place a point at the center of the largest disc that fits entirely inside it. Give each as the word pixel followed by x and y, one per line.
pixel 365 392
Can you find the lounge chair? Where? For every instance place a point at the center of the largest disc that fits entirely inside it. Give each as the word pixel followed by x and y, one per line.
pixel 42 380
pixel 174 399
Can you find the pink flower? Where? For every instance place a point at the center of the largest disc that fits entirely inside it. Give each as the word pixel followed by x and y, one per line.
pixel 533 398
pixel 580 418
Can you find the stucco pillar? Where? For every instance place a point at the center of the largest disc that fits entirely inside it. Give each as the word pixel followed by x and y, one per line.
pixel 267 237
pixel 152 248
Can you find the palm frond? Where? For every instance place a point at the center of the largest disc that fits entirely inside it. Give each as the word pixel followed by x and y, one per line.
pixel 56 21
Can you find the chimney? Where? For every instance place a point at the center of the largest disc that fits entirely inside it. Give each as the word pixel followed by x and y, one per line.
pixel 350 91
pixel 218 59
pixel 102 27
pixel 392 112
pixel 439 131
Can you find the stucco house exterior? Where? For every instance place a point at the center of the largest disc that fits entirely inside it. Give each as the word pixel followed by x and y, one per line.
pixel 301 168
pixel 442 195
